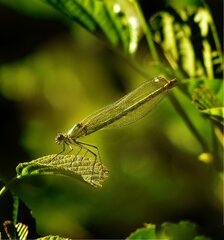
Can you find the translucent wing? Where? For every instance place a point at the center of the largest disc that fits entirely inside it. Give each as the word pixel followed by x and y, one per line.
pixel 128 109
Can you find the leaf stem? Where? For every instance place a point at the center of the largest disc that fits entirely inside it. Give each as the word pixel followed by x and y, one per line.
pixel 217 147
pixel 15 209
pixel 188 122
pixel 3 190
pixel 214 32
pixel 147 32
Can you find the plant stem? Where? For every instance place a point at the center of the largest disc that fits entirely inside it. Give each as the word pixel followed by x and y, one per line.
pixel 15 208
pixel 15 203
pixel 3 190
pixel 214 32
pixel 147 32
pixel 188 122
pixel 217 147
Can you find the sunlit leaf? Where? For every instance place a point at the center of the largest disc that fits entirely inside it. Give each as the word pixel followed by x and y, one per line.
pixel 205 98
pixel 186 35
pixel 148 232
pixel 208 103
pixel 51 237
pixel 218 112
pixel 183 230
pixel 20 229
pixel 82 168
pixel 116 20
pixel 216 85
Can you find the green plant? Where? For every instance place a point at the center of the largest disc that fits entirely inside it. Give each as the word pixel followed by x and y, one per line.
pixel 181 42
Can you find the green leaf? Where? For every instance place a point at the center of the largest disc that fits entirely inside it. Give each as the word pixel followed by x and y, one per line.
pixel 51 237
pixel 216 85
pixel 183 230
pixel 82 168
pixel 15 208
pixel 217 112
pixel 34 8
pixel 20 229
pixel 201 238
pixel 205 98
pixel 118 20
pixel 168 231
pixel 148 232
pixel 187 37
pixel 208 103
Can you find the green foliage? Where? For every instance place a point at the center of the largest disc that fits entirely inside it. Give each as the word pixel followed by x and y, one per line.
pixel 163 151
pixel 168 231
pixel 208 103
pixel 21 231
pixel 86 169
pixel 34 8
pixel 116 20
pixel 16 231
pixel 188 41
pixel 51 237
pixel 15 209
pixel 148 232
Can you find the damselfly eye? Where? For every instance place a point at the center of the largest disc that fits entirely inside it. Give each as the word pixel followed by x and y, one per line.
pixel 59 138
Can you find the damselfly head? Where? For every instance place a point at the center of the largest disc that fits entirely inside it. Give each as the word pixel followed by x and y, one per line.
pixel 60 138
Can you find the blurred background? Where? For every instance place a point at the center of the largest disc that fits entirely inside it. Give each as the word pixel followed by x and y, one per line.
pixel 53 73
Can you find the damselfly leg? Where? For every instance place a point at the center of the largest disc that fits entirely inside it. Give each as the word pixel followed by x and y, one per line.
pixel 83 145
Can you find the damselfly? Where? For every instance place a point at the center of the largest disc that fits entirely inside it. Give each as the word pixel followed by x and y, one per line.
pixel 124 111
